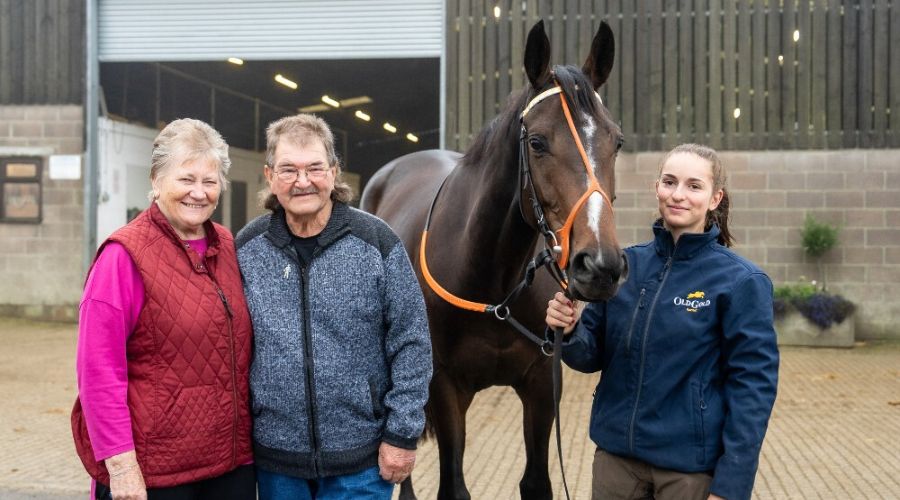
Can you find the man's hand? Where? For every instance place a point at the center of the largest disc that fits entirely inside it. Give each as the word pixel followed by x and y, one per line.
pixel 395 464
pixel 715 497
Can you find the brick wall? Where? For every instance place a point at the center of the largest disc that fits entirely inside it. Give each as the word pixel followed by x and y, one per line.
pixel 40 264
pixel 772 191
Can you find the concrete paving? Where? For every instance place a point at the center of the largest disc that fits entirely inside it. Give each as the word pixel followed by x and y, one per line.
pixel 835 431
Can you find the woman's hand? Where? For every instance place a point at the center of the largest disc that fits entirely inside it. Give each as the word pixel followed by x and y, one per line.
pixel 563 313
pixel 125 479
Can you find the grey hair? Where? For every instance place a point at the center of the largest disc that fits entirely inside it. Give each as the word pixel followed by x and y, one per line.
pixel 187 140
pixel 302 129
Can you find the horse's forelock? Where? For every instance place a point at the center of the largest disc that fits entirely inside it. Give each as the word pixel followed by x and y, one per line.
pixel 577 87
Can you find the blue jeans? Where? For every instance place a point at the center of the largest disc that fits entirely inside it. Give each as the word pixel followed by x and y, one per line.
pixel 366 484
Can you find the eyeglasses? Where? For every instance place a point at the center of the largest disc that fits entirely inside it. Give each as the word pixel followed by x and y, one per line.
pixel 290 174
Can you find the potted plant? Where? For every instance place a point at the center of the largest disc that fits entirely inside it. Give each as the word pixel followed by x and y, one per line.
pixel 806 314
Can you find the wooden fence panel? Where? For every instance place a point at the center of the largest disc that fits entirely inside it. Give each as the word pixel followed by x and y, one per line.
pixel 464 55
pixel 571 23
pixel 714 74
pixel 729 76
pixel 684 68
pixel 586 30
pixel 451 119
pixel 744 123
pixel 489 105
pixel 701 77
pixel 804 67
pixel 686 77
pixel 612 91
pixel 788 77
pixel 655 120
pixel 864 51
pixel 835 89
pixel 505 60
pixel 628 67
pixel 476 79
pixel 41 51
pixel 517 44
pixel 6 55
pixel 557 32
pixel 879 78
pixel 773 78
pixel 894 72
pixel 761 69
pixel 642 106
pixel 671 70
pixel 818 103
pixel 849 97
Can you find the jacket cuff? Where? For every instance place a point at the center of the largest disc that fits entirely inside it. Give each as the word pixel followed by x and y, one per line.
pixel 733 481
pixel 399 441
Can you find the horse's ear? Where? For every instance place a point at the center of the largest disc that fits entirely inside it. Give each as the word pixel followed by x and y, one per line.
pixel 537 56
pixel 600 61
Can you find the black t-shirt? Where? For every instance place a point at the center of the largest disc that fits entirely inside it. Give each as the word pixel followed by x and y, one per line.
pixel 305 247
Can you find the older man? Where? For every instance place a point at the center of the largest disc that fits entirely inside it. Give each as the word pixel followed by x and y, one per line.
pixel 342 356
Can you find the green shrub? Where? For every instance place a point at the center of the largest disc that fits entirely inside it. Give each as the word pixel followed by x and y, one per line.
pixel 818 237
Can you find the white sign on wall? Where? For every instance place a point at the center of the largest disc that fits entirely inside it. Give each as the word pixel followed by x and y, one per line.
pixel 65 167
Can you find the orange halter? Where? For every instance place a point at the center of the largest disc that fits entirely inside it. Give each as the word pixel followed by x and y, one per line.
pixel 550 236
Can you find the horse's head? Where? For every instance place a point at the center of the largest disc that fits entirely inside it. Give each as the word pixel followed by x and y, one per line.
pixel 573 183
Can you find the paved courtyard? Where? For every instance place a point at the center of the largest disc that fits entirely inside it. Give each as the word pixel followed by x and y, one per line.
pixel 835 432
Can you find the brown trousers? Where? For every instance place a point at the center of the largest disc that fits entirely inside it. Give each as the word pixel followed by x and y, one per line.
pixel 619 478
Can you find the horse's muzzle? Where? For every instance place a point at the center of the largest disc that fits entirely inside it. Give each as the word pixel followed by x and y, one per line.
pixel 594 278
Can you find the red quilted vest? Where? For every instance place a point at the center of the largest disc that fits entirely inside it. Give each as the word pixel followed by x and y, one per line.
pixel 188 358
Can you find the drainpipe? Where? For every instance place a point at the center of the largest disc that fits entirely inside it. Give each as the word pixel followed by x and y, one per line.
pixel 91 106
pixel 442 120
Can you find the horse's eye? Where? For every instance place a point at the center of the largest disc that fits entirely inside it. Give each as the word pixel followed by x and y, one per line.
pixel 619 143
pixel 537 145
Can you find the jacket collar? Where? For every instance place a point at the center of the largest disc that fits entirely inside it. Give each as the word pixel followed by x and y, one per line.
pixel 160 220
pixel 337 226
pixel 688 244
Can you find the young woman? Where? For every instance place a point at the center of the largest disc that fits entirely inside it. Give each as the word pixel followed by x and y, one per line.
pixel 686 348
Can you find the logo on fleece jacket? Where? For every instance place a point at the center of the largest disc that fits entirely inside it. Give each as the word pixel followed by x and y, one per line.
pixel 693 302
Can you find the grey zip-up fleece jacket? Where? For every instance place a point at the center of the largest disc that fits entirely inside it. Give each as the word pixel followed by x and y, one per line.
pixel 342 354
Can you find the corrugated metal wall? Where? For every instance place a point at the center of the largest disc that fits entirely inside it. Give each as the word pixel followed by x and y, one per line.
pixel 41 51
pixel 176 30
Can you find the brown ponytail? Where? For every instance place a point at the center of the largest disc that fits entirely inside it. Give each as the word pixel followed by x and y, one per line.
pixel 719 216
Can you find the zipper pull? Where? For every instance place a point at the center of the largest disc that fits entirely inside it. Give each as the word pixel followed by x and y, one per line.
pixel 666 268
pixel 225 301
pixel 287 271
pixel 641 298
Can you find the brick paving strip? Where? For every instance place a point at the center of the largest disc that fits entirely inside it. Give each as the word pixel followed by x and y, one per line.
pixel 835 432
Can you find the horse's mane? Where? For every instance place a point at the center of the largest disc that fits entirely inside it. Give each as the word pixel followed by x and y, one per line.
pixel 494 138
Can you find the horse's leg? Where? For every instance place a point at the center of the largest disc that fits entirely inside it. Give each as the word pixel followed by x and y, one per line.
pixel 449 406
pixel 406 490
pixel 536 394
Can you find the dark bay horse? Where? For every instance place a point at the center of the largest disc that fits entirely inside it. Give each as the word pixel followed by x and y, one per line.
pixel 483 231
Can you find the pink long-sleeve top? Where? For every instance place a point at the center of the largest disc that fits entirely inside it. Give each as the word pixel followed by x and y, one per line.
pixel 112 300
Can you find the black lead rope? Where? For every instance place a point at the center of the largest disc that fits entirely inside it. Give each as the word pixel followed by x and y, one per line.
pixel 557 395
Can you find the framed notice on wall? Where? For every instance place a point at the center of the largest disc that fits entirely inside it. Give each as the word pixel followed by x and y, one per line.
pixel 20 189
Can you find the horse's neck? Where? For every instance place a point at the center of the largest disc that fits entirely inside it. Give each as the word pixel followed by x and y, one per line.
pixel 496 237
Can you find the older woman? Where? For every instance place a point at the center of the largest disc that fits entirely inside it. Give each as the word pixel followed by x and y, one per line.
pixel 165 340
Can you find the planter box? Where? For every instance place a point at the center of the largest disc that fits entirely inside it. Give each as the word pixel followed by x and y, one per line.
pixel 794 329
